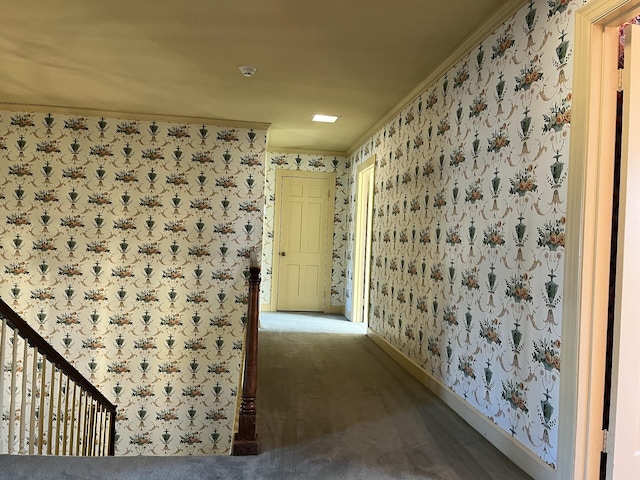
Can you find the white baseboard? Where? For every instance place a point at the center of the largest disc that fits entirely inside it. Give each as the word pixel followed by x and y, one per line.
pixel 522 457
pixel 348 314
pixel 335 309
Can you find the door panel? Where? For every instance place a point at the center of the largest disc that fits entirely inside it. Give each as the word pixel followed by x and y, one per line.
pixel 304 235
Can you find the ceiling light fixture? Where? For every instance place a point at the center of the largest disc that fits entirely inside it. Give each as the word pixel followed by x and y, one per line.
pixel 247 70
pixel 324 118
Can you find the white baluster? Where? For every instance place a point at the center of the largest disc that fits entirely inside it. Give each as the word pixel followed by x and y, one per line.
pixel 86 441
pixel 12 404
pixel 65 440
pixel 41 415
pixel 82 422
pixel 59 412
pixel 98 431
pixel 23 402
pixel 92 424
pixel 34 389
pixel 103 440
pixel 3 339
pixel 72 425
pixel 101 435
pixel 51 390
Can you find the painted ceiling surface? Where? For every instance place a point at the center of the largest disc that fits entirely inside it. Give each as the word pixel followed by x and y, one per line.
pixel 355 59
pixel 125 244
pixel 469 228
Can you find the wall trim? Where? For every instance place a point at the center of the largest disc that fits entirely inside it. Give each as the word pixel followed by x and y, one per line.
pixel 522 457
pixel 335 310
pixel 90 112
pixel 306 151
pixel 362 233
pixel 509 8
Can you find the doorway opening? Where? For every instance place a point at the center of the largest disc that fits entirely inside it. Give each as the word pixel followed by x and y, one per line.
pixel 606 415
pixel 365 177
pixel 589 255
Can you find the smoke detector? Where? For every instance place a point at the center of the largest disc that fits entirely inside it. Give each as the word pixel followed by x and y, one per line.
pixel 247 70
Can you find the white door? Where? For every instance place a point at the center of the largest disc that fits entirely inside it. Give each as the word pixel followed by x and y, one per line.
pixel 624 462
pixel 305 234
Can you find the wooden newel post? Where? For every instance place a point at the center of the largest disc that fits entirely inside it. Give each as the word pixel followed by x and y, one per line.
pixel 246 440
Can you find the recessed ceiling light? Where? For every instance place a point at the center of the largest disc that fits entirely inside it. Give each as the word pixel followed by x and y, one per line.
pixel 324 118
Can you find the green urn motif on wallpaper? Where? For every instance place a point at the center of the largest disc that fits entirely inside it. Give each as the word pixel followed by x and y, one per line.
pixel 490 226
pixel 123 240
pixel 342 216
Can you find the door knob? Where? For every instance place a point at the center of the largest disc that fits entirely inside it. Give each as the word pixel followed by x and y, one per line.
pixel 282 254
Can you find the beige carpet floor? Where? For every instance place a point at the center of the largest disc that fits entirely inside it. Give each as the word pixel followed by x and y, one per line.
pixel 331 405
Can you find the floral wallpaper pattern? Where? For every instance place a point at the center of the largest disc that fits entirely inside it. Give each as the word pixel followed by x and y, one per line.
pixel 469 228
pixel 308 163
pixel 125 244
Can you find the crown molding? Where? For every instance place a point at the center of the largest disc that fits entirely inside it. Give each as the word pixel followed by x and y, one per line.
pixel 305 151
pixel 26 107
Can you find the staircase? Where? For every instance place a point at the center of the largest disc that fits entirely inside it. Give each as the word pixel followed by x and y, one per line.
pixel 48 407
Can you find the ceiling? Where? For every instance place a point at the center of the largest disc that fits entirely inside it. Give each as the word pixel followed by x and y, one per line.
pixel 355 59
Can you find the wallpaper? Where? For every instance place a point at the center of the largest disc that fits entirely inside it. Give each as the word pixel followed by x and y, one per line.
pixel 469 228
pixel 125 243
pixel 309 163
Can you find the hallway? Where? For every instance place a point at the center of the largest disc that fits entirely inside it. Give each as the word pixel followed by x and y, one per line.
pixel 331 404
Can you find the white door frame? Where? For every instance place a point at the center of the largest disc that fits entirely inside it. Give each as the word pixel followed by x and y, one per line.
pixel 623 459
pixel 590 193
pixel 362 234
pixel 280 174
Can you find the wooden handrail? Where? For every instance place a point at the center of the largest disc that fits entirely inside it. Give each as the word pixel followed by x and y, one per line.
pixel 246 439
pixel 35 340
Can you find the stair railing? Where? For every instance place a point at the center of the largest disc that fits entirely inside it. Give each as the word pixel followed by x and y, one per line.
pixel 246 439
pixel 52 408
